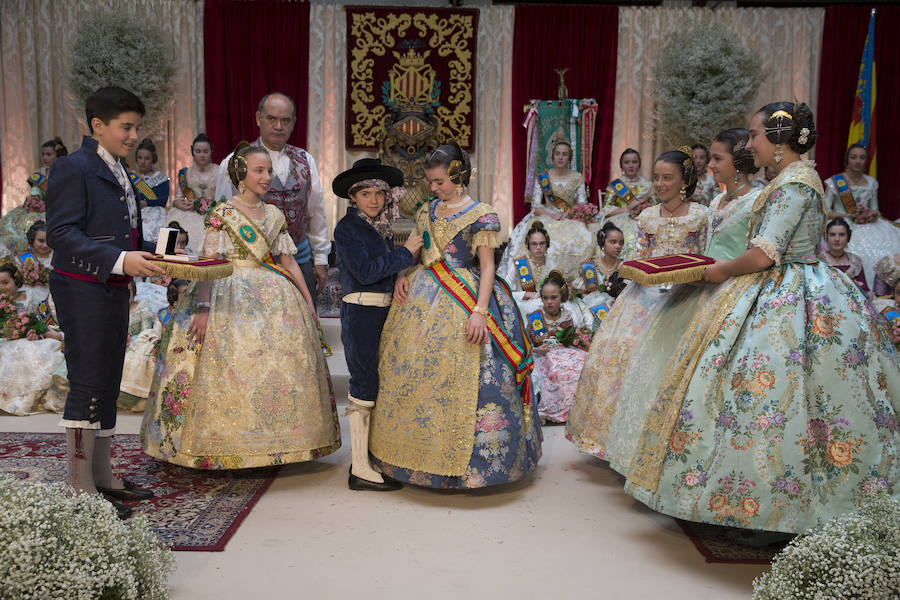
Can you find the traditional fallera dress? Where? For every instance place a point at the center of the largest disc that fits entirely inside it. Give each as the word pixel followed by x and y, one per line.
pixel 452 414
pixel 144 331
pixel 778 410
pixel 641 189
pixel 870 241
pixel 199 187
pixel 666 322
pixel 14 224
pixel 570 240
pixel 606 366
pixel 27 367
pixel 556 373
pixel 26 260
pixel 257 391
pixel 591 299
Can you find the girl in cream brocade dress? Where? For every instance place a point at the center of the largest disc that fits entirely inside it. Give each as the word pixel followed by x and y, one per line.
pixel 257 392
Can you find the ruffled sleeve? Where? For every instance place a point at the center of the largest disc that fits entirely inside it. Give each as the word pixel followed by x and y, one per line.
pixel 284 244
pixel 485 231
pixel 832 201
pixel 781 216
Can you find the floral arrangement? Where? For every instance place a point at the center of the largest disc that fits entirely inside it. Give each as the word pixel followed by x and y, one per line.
pixel 124 49
pixel 15 324
pixel 34 204
pixel 641 205
pixel 586 213
pixel 35 273
pixel 53 545
pixel 572 337
pixel 204 204
pixel 863 215
pixel 706 82
pixel 852 556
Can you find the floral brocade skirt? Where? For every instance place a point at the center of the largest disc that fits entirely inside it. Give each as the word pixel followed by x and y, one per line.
pixel 449 413
pixel 779 409
pixel 256 393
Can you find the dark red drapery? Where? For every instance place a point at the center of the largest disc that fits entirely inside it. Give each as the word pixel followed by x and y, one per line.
pixel 842 44
pixel 583 39
pixel 250 49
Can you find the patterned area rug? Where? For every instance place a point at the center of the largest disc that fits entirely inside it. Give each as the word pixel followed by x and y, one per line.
pixel 722 544
pixel 192 509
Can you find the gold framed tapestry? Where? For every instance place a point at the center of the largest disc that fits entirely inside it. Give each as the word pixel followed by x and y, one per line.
pixel 411 69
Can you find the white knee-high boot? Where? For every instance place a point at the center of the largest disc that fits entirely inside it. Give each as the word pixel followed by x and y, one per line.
pixel 362 475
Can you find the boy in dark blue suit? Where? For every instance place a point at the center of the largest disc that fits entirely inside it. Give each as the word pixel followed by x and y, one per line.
pixel 369 266
pixel 94 228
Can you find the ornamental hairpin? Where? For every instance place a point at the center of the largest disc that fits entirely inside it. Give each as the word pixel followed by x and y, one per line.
pixel 804 136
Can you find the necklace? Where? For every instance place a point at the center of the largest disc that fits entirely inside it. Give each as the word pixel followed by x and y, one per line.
pixel 731 196
pixel 860 180
pixel 453 205
pixel 671 211
pixel 248 206
pixel 829 253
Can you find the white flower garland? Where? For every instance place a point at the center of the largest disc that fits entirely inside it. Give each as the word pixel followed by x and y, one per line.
pixel 53 545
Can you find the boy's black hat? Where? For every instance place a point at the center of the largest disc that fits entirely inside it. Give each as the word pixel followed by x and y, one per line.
pixel 366 168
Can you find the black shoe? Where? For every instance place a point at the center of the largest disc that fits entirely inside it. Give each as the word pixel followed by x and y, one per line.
pixel 358 483
pixel 123 510
pixel 128 492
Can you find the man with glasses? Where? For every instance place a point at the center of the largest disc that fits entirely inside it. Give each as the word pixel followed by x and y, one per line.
pixel 295 188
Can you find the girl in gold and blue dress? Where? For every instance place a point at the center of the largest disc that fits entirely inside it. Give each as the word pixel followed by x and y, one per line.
pixel 241 380
pixel 778 410
pixel 153 186
pixel 455 406
pixel 673 226
pixel 614 433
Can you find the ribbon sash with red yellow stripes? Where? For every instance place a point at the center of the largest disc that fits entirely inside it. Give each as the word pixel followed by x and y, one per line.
pixel 521 361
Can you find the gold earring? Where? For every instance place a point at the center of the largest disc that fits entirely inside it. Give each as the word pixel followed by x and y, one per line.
pixel 683 193
pixel 241 187
pixel 737 178
pixel 779 153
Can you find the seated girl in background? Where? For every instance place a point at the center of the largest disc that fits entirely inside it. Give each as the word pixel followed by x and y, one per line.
pixel 153 186
pixel 837 236
pixel 183 239
pixel 608 285
pixel 557 366
pixel 27 359
pixel 173 293
pixel 34 263
pixel 144 331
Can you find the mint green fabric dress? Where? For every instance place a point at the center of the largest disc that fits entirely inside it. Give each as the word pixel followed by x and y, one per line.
pixel 778 410
pixel 669 317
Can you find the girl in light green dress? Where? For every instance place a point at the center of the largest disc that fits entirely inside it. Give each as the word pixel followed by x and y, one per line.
pixel 778 410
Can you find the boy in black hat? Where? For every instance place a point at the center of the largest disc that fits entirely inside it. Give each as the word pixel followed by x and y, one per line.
pixel 369 266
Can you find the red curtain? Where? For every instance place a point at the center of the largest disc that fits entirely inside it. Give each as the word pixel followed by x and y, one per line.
pixel 583 39
pixel 250 49
pixel 842 43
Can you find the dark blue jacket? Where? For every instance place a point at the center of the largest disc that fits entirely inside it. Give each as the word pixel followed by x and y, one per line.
pixel 87 218
pixel 368 262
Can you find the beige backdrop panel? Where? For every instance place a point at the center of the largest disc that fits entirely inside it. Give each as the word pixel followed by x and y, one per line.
pixel 788 42
pixel 35 101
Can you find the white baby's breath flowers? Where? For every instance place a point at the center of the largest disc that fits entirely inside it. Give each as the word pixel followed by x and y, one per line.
pixel 706 81
pixel 53 545
pixel 852 556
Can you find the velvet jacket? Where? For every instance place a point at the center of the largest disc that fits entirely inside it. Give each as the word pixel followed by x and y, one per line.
pixel 87 218
pixel 368 262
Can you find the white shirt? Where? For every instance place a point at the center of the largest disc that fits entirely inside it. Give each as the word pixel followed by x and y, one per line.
pixel 315 202
pixel 118 172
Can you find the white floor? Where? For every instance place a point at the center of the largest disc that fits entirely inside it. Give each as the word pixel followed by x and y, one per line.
pixel 569 531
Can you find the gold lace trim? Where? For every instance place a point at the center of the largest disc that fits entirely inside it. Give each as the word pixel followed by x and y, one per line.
pixel 767 247
pixel 442 231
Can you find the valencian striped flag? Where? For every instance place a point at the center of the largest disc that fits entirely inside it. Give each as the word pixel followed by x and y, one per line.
pixel 862 124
